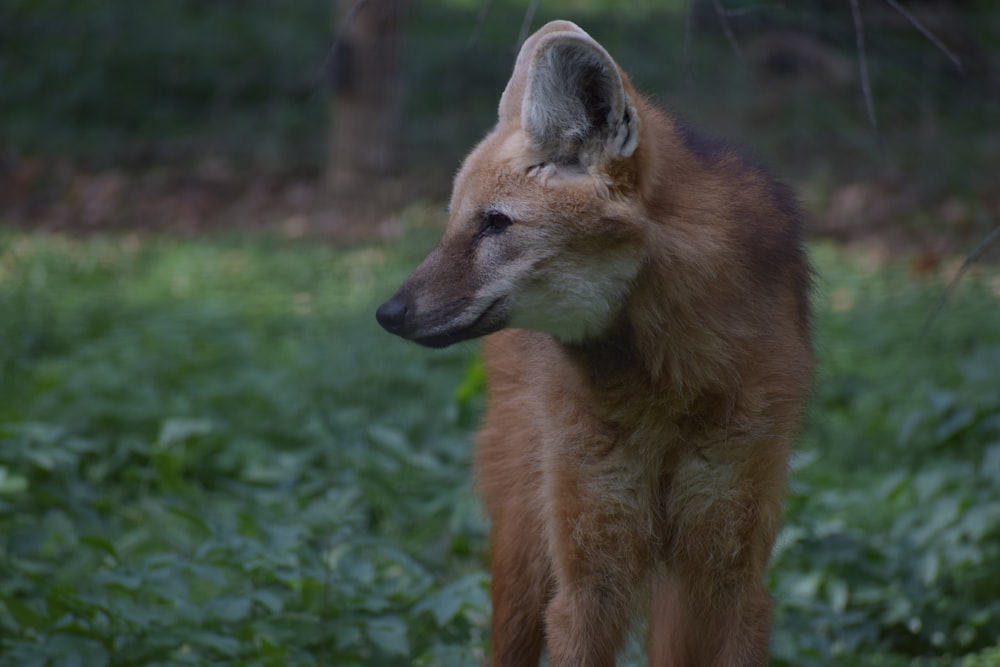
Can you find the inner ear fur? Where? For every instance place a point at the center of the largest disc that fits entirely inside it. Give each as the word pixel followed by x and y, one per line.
pixel 575 109
pixel 513 94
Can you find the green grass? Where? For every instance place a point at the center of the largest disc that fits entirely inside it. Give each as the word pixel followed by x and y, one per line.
pixel 211 455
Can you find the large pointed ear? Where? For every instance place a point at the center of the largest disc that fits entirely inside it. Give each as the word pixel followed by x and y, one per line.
pixel 513 94
pixel 575 109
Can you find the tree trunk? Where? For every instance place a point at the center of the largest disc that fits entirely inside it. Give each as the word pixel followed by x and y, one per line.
pixel 366 94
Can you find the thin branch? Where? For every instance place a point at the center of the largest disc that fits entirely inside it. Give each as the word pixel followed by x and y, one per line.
pixel 484 12
pixel 928 34
pixel 727 29
pixel 529 16
pixel 972 257
pixel 866 86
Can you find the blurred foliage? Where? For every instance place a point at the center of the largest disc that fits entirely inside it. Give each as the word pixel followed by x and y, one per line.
pixel 210 456
pixel 894 514
pixel 119 80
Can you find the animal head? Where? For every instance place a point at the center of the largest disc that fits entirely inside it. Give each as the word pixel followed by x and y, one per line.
pixel 543 233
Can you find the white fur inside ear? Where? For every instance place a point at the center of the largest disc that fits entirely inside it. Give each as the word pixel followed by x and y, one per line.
pixel 627 136
pixel 513 94
pixel 575 109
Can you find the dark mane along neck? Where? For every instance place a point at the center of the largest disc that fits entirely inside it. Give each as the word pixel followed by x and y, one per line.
pixel 658 349
pixel 724 277
pixel 609 359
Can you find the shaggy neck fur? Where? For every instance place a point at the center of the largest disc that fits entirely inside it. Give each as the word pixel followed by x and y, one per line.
pixel 679 328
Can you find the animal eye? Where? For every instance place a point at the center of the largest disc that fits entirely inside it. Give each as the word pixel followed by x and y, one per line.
pixel 494 222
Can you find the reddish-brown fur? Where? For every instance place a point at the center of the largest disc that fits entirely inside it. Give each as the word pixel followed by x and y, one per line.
pixel 643 468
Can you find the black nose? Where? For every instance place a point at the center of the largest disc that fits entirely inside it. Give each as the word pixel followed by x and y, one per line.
pixel 391 315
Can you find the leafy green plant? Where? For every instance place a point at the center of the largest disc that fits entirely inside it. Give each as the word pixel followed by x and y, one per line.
pixel 894 519
pixel 199 468
pixel 210 456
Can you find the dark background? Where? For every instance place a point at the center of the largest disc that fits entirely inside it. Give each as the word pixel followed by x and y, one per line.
pixel 187 114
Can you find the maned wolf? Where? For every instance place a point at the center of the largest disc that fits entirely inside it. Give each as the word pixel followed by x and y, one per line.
pixel 645 297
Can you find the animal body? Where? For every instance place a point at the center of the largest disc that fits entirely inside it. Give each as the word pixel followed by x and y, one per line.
pixel 644 297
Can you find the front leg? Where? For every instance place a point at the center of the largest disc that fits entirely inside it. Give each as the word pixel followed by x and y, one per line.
pixel 521 586
pixel 711 608
pixel 586 625
pixel 600 542
pixel 699 619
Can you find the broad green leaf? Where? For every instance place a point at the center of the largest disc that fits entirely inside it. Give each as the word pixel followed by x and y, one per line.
pixel 271 600
pixel 222 643
pixel 191 517
pixel 100 543
pixel 470 591
pixel 230 609
pixel 179 429
pixel 474 382
pixel 11 483
pixel 389 634
pixel 930 567
pixel 954 424
pixel 23 614
pixel 123 579
pixel 839 594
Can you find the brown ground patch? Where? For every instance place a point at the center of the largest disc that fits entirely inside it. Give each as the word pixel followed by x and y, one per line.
pixel 883 217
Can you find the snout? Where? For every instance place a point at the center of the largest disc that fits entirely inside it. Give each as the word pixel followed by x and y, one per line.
pixel 392 315
pixel 443 325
